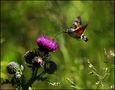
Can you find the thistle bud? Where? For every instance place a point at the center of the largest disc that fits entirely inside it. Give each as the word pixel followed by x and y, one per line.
pixel 12 67
pixel 50 67
pixel 29 56
pixel 17 75
pixel 37 61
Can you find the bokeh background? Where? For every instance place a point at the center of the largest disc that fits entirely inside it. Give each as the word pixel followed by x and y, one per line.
pixel 23 21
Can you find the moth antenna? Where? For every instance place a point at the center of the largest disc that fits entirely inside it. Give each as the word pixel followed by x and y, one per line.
pixel 61 32
pixel 57 34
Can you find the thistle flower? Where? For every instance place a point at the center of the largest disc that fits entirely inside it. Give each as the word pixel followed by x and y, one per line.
pixel 50 67
pixel 47 44
pixel 12 67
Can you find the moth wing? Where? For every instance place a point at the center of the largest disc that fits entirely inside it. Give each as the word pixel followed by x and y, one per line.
pixel 77 22
pixel 80 30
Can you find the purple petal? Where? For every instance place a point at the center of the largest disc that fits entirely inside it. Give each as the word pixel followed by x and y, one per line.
pixel 47 44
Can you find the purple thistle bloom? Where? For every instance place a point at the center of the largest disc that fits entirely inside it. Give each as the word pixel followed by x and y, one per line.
pixel 47 44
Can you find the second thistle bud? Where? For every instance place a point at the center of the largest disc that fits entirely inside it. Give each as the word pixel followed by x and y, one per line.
pixel 50 67
pixel 12 67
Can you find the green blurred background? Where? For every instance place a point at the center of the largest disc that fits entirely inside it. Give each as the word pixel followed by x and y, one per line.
pixel 23 21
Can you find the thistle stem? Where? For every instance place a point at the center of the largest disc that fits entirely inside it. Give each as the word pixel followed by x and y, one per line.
pixel 32 79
